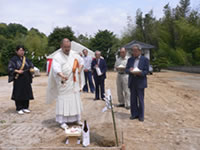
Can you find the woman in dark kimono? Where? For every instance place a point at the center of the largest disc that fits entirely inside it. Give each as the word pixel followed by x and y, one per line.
pixel 20 71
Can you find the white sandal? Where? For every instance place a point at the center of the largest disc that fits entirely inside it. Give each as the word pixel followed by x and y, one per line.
pixel 79 123
pixel 20 112
pixel 64 126
pixel 26 110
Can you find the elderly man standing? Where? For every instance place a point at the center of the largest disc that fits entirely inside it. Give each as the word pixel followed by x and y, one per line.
pixel 122 80
pixel 99 69
pixel 137 68
pixel 64 84
pixel 87 72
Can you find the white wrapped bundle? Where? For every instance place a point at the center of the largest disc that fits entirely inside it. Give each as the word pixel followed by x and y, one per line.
pixel 136 69
pixel 121 68
pixel 73 134
pixel 74 131
pixel 99 73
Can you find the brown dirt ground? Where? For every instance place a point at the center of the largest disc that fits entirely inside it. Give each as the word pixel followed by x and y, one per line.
pixel 172 110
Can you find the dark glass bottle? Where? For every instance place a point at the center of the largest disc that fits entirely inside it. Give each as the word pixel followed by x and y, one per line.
pixel 85 128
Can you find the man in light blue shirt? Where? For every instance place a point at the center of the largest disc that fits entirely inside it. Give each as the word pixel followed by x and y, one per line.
pixel 87 72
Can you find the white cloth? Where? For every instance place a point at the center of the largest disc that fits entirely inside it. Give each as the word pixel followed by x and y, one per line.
pixel 136 62
pixel 87 62
pixel 85 136
pixel 61 119
pixel 67 96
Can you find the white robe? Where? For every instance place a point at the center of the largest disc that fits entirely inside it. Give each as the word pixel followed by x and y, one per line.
pixel 68 101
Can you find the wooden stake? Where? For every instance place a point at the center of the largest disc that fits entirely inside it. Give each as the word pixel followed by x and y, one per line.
pixel 123 145
pixel 114 123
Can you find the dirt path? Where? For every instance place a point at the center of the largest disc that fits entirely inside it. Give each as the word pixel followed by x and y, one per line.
pixel 172 110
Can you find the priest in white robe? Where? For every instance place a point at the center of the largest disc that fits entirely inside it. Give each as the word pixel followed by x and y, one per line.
pixel 65 82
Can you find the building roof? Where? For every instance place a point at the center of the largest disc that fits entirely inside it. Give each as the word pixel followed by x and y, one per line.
pixel 143 45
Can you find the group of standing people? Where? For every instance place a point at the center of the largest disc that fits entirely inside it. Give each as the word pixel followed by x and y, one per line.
pixel 130 84
pixel 97 68
pixel 71 73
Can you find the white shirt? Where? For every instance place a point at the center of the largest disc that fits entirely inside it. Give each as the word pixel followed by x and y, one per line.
pixel 121 61
pixel 136 62
pixel 87 62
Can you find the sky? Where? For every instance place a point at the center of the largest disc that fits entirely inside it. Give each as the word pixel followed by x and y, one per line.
pixel 84 16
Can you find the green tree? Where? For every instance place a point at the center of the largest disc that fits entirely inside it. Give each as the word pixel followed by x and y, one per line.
pixel 84 40
pixel 3 30
pixel 37 45
pixel 14 28
pixel 15 34
pixel 188 35
pixel 182 10
pixel 105 42
pixel 128 34
pixel 197 55
pixel 168 27
pixel 194 18
pixel 139 31
pixel 145 29
pixel 7 53
pixel 55 38
pixel 176 35
pixel 3 42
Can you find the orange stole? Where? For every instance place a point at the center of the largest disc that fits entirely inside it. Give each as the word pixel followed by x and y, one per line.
pixel 75 66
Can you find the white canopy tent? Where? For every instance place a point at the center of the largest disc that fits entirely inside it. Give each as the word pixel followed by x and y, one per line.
pixel 76 47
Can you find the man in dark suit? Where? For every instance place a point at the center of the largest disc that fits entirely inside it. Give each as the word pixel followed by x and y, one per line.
pixel 99 73
pixel 137 81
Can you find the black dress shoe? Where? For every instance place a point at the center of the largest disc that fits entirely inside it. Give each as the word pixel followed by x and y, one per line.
pixel 127 107
pixel 96 99
pixel 141 119
pixel 132 118
pixel 120 105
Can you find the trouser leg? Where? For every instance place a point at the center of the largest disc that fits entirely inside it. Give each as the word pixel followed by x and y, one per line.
pixel 90 81
pixel 126 91
pixel 120 90
pixel 85 88
pixel 26 104
pixel 19 105
pixel 134 102
pixel 102 85
pixel 96 88
pixel 141 103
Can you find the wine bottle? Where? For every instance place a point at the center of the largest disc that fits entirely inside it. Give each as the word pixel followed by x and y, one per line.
pixel 85 134
pixel 85 128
